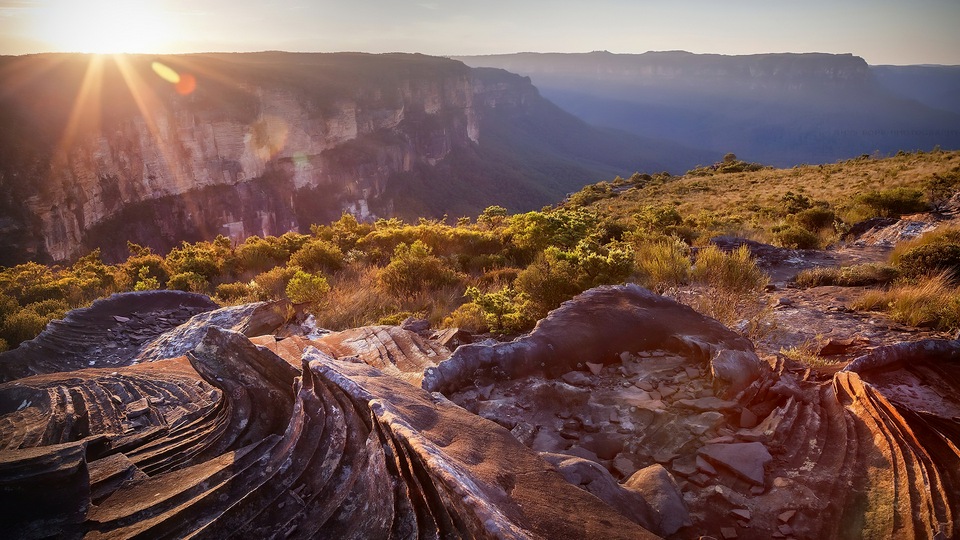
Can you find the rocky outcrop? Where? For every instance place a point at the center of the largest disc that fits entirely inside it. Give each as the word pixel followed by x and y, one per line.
pixel 596 327
pixel 308 437
pixel 108 333
pixel 329 450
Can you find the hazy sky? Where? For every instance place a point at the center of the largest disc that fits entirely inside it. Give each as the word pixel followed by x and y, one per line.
pixel 881 31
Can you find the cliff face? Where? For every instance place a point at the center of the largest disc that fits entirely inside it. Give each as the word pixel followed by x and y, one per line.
pixel 99 151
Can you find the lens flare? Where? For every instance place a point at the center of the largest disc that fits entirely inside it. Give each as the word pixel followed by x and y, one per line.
pixel 166 72
pixel 186 85
pixel 183 83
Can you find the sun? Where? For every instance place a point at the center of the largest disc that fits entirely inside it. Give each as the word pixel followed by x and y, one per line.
pixel 100 26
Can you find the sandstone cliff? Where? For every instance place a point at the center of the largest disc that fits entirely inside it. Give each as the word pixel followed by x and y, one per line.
pixel 96 151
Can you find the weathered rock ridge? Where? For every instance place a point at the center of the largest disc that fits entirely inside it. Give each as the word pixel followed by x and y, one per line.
pixel 646 417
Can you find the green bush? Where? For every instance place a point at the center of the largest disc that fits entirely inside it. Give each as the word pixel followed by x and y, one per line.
pixel 257 254
pixel 188 281
pixel 894 202
pixel 736 271
pixel 793 237
pixel 23 325
pixel 816 218
pixel 272 284
pixel 318 255
pixel 230 293
pixel 469 317
pixel 307 288
pixel 504 311
pixel 550 280
pixel 847 276
pixel 662 265
pixel 414 268
pixel 930 259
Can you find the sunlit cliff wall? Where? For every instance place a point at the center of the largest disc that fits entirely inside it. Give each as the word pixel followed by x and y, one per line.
pixel 97 152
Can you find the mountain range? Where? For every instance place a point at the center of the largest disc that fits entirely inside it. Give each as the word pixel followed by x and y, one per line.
pixel 778 109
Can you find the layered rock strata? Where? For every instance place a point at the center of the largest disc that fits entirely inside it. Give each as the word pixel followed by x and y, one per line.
pixel 620 416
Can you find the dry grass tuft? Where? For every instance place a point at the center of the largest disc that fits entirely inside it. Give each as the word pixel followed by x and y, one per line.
pixel 932 302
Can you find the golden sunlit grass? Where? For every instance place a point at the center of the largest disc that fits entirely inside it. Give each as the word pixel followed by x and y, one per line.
pixel 932 302
pixel 743 203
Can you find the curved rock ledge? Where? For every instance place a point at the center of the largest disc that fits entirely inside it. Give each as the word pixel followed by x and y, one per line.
pixel 108 333
pixel 596 327
pixel 247 445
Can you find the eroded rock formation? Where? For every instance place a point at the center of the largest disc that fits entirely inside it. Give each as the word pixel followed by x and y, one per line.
pixel 620 416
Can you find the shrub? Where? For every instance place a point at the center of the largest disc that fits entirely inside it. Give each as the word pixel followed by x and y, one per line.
pixel 51 309
pixel 929 259
pixel 272 284
pixel 816 218
pixel 735 271
pixel 306 288
pixel 414 268
pixel 504 311
pixel 894 202
pixel 469 317
pixel 930 253
pixel 145 281
pixel 662 265
pixel 318 255
pixel 198 259
pixel 23 325
pixel 793 237
pixel 229 293
pixel 729 287
pixel 257 254
pixel 188 281
pixel 847 276
pixel 548 281
pixel 941 188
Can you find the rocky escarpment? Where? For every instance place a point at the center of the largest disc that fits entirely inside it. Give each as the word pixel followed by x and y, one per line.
pixel 96 151
pixel 232 155
pixel 621 414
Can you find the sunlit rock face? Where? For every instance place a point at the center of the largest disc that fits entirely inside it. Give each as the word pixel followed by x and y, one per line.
pixel 99 151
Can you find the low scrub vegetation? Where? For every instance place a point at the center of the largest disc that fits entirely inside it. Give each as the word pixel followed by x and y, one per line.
pixel 848 276
pixel 501 272
pixel 932 302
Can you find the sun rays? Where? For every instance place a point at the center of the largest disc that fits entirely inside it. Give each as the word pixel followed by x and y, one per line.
pixel 105 26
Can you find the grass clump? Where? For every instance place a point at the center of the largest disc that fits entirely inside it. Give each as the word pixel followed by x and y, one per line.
pixel 932 302
pixel 847 276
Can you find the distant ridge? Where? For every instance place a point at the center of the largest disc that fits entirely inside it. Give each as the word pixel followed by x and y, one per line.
pixel 777 108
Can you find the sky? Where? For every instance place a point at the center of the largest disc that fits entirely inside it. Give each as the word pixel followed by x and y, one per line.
pixel 881 31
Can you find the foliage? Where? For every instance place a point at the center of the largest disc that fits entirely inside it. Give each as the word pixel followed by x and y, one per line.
pixel 930 302
pixel 272 284
pixel 894 202
pixel 931 253
pixel 504 311
pixel 729 287
pixel 662 265
pixel 307 288
pixel 469 317
pixel 794 237
pixel 188 281
pixel 318 255
pixel 847 276
pixel 145 281
pixel 940 188
pixel 257 254
pixel 414 268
